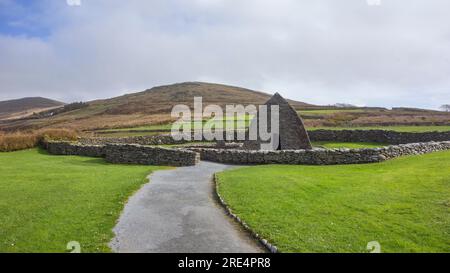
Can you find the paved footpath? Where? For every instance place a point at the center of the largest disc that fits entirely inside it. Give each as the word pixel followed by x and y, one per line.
pixel 177 212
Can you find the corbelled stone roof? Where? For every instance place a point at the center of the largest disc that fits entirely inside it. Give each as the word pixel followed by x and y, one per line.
pixel 292 133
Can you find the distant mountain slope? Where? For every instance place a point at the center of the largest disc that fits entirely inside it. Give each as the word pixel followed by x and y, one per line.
pixel 147 107
pixel 161 99
pixel 153 106
pixel 25 107
pixel 20 105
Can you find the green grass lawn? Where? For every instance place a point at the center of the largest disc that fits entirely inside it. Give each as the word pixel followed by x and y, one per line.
pixel 404 204
pixel 350 145
pixel 47 201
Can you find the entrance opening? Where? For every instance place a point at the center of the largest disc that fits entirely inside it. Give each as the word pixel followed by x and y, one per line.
pixel 278 148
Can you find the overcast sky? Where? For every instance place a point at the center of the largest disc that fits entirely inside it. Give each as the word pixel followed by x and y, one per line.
pixel 317 51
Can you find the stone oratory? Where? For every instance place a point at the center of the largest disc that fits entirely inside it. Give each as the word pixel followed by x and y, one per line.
pixel 292 133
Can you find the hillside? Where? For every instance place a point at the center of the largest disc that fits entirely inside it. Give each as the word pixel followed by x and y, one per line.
pixel 161 99
pixel 151 106
pixel 149 109
pixel 10 108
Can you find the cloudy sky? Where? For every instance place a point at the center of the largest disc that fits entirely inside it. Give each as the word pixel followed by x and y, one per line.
pixel 321 51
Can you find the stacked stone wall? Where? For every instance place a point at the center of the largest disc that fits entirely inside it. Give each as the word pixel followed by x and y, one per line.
pixel 148 155
pixel 379 136
pixel 319 156
pixel 126 153
pixel 73 148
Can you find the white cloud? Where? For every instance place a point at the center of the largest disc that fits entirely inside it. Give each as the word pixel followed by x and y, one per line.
pixel 324 51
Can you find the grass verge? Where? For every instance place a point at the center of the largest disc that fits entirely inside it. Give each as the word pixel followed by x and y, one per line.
pixel 47 201
pixel 404 204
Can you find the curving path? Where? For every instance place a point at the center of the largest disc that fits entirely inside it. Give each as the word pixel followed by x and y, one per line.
pixel 177 212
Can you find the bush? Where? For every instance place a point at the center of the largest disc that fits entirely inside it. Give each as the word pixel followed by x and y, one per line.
pixel 25 140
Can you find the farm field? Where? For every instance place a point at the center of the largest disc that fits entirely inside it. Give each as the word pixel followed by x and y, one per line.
pixel 47 201
pixel 153 129
pixel 403 204
pixel 329 111
pixel 220 123
pixel 128 134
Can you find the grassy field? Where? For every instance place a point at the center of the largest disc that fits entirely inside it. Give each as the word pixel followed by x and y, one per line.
pixel 329 111
pixel 221 123
pixel 404 204
pixel 47 201
pixel 350 145
pixel 141 130
pixel 129 134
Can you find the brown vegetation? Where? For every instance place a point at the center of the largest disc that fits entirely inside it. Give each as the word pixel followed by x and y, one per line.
pixel 152 106
pixel 370 117
pixel 25 140
pixel 161 99
pixel 17 141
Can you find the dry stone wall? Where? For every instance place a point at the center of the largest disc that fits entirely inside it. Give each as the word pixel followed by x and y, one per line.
pixel 319 156
pixel 165 139
pixel 126 153
pixel 142 140
pixel 71 148
pixel 379 136
pixel 147 155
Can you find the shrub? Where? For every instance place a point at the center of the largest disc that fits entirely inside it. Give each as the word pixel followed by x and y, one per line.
pixel 25 140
